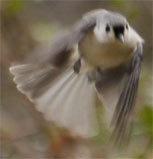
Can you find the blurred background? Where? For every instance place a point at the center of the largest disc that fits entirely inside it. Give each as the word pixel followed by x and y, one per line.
pixel 27 25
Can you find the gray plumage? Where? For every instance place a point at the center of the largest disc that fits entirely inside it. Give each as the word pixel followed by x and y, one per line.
pixel 101 51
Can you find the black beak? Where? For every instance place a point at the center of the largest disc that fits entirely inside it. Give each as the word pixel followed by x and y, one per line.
pixel 119 32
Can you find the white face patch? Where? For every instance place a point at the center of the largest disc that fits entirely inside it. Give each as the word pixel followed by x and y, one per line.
pixel 102 35
pixel 131 36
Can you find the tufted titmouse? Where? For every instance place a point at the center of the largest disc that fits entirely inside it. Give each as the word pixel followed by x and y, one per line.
pixel 100 55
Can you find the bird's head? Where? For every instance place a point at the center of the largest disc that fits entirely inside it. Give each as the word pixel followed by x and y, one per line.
pixel 111 27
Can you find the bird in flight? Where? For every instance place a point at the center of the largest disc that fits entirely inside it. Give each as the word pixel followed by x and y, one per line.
pixel 100 55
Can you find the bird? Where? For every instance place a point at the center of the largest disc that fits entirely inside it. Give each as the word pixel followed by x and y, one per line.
pixel 99 56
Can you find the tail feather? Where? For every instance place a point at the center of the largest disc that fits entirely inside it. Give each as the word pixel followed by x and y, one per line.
pixel 70 103
pixel 21 69
pixel 33 80
pixel 68 100
pixel 51 94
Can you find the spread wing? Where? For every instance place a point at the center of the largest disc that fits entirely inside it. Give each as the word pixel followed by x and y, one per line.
pixel 127 98
pixel 51 83
pixel 119 92
pixel 43 68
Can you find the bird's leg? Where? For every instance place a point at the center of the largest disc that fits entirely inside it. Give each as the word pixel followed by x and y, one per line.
pixel 77 66
pixel 95 75
pixel 91 76
pixel 98 75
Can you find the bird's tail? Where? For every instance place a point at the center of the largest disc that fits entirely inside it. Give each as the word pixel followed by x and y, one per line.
pixel 64 97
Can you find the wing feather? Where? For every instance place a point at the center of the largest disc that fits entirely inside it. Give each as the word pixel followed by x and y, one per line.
pixel 50 82
pixel 118 89
pixel 127 98
pixel 41 69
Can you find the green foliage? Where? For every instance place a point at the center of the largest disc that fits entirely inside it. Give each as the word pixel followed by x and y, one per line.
pixel 117 3
pixel 140 156
pixel 131 11
pixel 146 118
pixel 11 7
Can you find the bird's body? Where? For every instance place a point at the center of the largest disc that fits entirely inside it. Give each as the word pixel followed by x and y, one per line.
pixel 101 55
pixel 102 51
pixel 108 53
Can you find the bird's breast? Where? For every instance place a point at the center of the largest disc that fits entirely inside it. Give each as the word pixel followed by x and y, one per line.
pixel 106 55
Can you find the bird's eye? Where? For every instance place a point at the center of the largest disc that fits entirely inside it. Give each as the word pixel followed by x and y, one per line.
pixel 107 28
pixel 127 27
